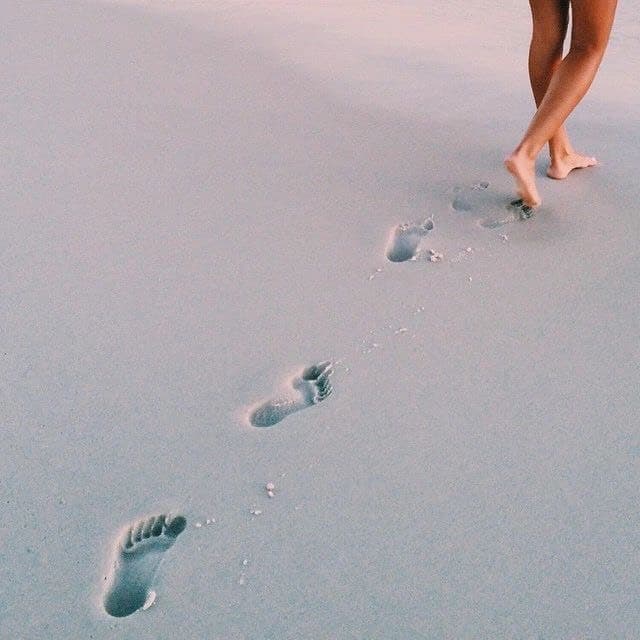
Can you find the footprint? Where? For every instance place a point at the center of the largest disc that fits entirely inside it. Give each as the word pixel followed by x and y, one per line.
pixel 405 239
pixel 518 211
pixel 525 211
pixel 138 554
pixel 310 387
pixel 467 198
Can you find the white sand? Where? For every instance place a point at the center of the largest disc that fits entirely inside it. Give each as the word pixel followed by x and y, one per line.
pixel 195 197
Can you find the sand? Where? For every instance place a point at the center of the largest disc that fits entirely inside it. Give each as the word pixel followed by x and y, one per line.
pixel 198 200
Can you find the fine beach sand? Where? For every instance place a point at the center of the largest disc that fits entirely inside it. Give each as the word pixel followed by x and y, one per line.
pixel 198 204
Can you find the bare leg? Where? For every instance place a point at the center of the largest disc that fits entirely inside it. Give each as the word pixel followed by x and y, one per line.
pixel 592 21
pixel 550 21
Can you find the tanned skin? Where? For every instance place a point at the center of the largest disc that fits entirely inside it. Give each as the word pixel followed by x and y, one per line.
pixel 558 85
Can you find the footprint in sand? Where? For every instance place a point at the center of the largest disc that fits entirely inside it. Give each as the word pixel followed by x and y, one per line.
pixel 405 238
pixel 138 554
pixel 310 387
pixel 477 199
pixel 469 198
pixel 518 211
pixel 524 210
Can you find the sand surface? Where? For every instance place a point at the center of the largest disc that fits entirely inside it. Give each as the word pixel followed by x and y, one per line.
pixel 197 199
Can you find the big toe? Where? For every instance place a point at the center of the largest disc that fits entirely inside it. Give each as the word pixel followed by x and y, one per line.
pixel 176 526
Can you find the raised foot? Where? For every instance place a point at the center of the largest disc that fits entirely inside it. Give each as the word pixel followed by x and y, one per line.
pixel 523 172
pixel 561 167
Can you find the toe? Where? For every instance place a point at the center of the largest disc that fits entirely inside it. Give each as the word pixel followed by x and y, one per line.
pixel 158 525
pixel 176 526
pixel 127 541
pixel 323 393
pixel 316 370
pixel 324 386
pixel 148 526
pixel 311 373
pixel 323 378
pixel 136 536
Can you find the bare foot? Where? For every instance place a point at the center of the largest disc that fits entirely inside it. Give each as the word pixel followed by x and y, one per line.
pixel 562 166
pixel 523 171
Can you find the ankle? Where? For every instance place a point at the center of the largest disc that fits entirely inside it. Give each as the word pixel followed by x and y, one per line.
pixel 524 153
pixel 560 153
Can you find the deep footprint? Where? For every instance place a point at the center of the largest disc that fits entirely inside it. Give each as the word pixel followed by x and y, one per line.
pixel 309 388
pixel 138 554
pixel 468 198
pixel 405 239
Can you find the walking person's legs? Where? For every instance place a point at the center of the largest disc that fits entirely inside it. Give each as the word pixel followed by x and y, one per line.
pixel 550 20
pixel 567 82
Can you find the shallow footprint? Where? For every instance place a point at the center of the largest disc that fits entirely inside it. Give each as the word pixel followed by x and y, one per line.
pixel 138 554
pixel 468 198
pixel 518 211
pixel 524 210
pixel 305 390
pixel 405 239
